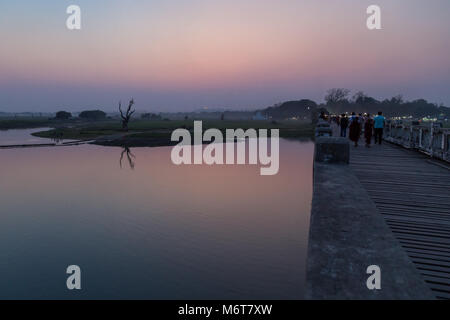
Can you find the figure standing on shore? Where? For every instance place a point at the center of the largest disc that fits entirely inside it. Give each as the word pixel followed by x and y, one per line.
pixel 379 121
pixel 355 130
pixel 368 130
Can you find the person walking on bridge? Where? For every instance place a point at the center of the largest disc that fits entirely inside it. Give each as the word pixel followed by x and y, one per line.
pixel 379 122
pixel 355 131
pixel 344 125
pixel 368 130
pixel 352 117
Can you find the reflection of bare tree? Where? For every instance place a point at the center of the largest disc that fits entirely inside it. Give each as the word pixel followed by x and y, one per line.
pixel 130 157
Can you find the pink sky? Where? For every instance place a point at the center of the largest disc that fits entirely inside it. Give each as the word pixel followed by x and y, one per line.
pixel 182 55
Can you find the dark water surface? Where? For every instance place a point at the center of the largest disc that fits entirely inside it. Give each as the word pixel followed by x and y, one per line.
pixel 159 231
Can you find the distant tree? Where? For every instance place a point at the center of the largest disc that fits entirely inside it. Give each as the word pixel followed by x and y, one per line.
pixel 336 95
pixel 222 117
pixel 127 116
pixel 358 97
pixel 398 99
pixel 92 115
pixel 360 103
pixel 362 99
pixel 298 109
pixel 63 115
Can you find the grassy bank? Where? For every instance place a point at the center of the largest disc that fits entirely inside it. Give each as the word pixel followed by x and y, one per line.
pixel 149 133
pixel 25 123
pixel 41 122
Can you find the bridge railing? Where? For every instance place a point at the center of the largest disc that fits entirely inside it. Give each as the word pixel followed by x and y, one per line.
pixel 429 138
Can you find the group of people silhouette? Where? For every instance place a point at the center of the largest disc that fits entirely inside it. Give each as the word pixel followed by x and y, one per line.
pixel 362 124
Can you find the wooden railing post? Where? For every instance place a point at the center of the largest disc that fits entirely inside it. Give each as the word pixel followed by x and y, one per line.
pixel 420 138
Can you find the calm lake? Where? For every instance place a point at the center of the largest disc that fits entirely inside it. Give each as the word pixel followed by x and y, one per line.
pixel 144 228
pixel 21 136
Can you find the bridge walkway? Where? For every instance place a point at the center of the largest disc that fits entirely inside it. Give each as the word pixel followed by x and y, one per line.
pixel 412 192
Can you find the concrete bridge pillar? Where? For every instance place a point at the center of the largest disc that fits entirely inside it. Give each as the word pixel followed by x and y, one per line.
pixel 323 129
pixel 332 150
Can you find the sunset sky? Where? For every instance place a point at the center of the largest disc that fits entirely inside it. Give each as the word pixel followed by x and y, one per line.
pixel 181 55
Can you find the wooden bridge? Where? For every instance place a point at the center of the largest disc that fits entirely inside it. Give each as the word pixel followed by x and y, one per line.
pixel 412 191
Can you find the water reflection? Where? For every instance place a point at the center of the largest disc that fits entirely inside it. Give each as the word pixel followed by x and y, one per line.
pixel 25 137
pixel 130 157
pixel 57 137
pixel 159 231
pixel 22 136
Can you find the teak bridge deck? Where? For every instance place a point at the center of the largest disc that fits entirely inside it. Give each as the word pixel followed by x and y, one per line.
pixel 412 192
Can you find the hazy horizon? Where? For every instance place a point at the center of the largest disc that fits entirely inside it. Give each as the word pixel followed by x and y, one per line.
pixel 241 55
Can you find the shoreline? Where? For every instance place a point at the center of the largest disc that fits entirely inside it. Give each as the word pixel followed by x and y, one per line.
pixel 124 142
pixel 153 133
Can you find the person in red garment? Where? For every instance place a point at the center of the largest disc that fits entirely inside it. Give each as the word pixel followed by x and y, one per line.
pixel 355 131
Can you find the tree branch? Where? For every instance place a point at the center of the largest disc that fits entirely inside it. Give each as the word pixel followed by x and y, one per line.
pixel 120 109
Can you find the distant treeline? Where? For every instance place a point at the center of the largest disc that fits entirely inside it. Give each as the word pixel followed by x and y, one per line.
pixel 339 101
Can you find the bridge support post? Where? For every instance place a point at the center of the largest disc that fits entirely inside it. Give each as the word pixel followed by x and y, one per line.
pixel 332 150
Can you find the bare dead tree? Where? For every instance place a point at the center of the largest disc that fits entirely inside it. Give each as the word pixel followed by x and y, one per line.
pixel 336 95
pixel 130 157
pixel 126 118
